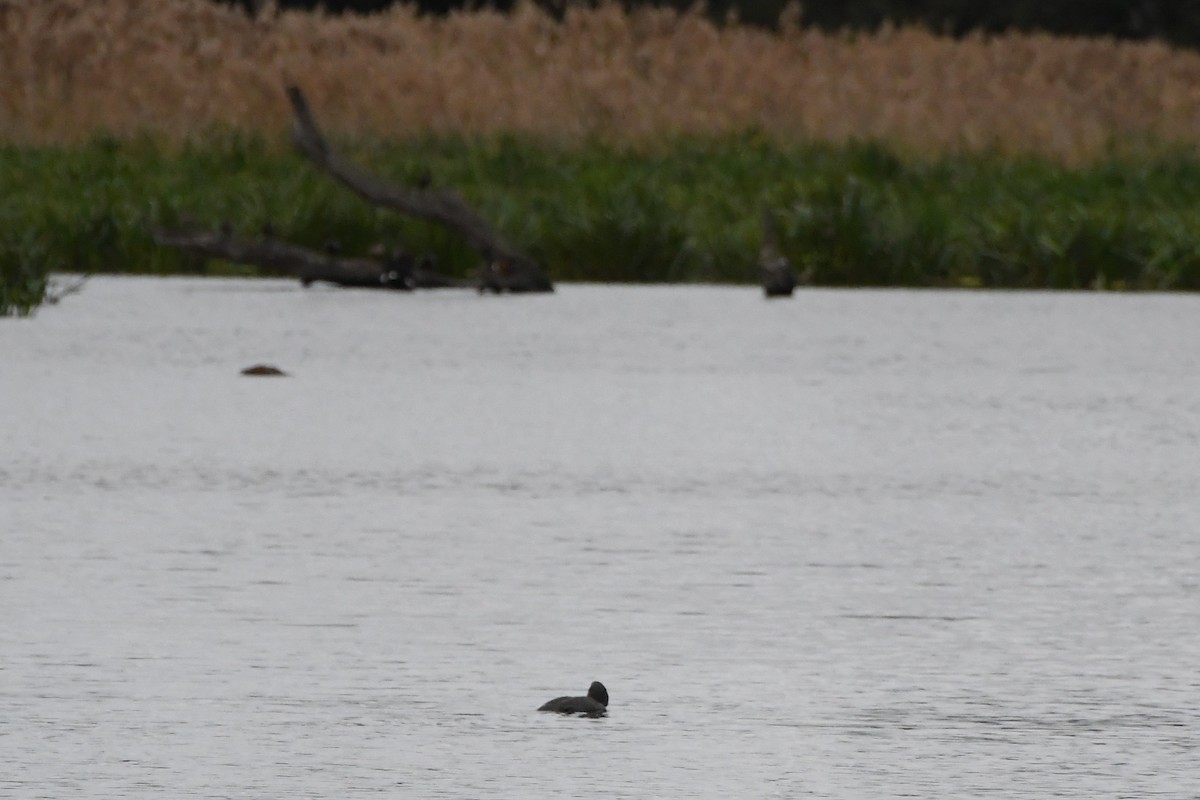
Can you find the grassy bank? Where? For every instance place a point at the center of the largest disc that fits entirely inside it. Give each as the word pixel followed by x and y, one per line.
pixel 686 210
pixel 610 144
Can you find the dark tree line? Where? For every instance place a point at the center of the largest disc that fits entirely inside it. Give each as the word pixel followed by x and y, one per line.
pixel 1175 21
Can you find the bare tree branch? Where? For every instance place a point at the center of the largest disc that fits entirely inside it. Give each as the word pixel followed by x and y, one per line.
pixel 505 268
pixel 399 271
pixel 55 293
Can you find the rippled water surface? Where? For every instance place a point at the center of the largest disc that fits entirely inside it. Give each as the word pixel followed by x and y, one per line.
pixel 847 545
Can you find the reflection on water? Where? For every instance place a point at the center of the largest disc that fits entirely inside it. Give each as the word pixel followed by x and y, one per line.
pixel 856 544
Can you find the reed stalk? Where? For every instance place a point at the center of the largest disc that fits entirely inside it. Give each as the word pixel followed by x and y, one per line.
pixel 74 69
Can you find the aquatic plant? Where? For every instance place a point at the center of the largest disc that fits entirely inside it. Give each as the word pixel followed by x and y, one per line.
pixel 686 209
pixel 23 271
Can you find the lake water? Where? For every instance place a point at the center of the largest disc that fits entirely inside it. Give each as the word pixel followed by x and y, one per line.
pixel 848 545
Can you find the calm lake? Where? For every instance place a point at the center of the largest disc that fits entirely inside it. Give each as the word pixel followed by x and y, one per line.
pixel 854 544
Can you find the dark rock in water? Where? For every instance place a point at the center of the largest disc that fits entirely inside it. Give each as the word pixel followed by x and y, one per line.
pixel 264 369
pixel 594 705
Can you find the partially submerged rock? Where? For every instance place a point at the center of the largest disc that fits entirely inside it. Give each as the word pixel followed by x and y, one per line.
pixel 264 369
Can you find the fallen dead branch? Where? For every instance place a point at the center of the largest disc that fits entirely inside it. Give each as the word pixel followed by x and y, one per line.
pixel 55 292
pixel 505 268
pixel 398 270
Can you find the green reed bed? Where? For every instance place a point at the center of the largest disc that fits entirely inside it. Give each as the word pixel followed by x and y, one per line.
pixel 688 210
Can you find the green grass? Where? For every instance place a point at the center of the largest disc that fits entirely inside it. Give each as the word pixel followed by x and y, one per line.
pixel 687 210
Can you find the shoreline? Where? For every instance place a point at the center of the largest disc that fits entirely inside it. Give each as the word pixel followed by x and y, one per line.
pixel 687 211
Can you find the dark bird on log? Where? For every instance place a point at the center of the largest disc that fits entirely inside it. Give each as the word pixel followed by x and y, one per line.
pixel 507 274
pixel 493 273
pixel 594 705
pixel 774 270
pixel 398 269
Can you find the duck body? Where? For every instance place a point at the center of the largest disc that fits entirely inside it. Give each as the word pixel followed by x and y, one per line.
pixel 594 705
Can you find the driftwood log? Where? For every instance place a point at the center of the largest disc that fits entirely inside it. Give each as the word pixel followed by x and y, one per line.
pixel 505 269
pixel 397 270
pixel 774 270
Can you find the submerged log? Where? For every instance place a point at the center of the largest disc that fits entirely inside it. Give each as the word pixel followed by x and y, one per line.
pixel 774 270
pixel 505 268
pixel 398 270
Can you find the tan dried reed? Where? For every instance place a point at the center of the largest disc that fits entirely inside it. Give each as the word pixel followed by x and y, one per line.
pixel 70 69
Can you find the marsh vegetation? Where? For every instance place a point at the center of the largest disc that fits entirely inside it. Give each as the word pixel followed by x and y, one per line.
pixel 611 146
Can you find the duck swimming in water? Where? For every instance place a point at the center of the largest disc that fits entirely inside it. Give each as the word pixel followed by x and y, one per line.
pixel 594 705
